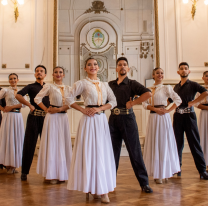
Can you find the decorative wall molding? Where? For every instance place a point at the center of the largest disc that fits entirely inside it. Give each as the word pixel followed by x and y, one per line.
pixel 144 49
pixel 20 83
pixel 95 53
pixel 97 7
pixel 28 41
pixel 176 81
pixel 180 38
pixel 117 24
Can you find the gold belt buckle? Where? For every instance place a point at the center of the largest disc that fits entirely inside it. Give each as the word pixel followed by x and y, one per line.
pixel 117 111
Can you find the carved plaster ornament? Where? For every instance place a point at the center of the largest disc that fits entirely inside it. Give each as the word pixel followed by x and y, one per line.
pixel 97 7
pixel 83 45
pixel 132 69
pixel 144 49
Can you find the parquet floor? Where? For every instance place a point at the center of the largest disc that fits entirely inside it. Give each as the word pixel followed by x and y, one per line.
pixel 188 190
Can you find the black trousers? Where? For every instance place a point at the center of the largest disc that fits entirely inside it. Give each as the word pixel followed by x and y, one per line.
pixel 33 129
pixel 188 123
pixel 124 127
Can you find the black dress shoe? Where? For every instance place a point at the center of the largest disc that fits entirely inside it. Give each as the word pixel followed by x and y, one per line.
pixel 204 175
pixel 179 174
pixel 23 177
pixel 147 189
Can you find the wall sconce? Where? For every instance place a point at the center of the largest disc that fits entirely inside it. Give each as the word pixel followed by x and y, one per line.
pixel 193 11
pixel 15 2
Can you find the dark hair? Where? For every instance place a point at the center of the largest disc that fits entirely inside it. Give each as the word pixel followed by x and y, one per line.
pixel 13 74
pixel 122 58
pixel 41 67
pixel 155 69
pixel 88 60
pixel 60 68
pixel 205 73
pixel 183 63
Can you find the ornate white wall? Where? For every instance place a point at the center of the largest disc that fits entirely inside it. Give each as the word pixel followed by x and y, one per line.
pixel 183 39
pixel 28 41
pixel 131 21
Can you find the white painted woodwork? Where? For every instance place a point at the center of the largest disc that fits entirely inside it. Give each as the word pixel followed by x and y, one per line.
pixel 28 41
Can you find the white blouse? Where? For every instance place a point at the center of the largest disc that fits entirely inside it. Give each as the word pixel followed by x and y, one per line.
pixel 89 92
pixel 54 93
pixel 162 93
pixel 8 94
pixel 203 101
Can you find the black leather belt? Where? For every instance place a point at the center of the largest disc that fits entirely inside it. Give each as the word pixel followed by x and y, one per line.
pixel 121 111
pixel 157 106
pixel 91 106
pixel 16 110
pixel 58 107
pixel 183 110
pixel 38 112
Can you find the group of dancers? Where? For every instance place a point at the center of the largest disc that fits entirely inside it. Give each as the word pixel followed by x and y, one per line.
pixel 93 164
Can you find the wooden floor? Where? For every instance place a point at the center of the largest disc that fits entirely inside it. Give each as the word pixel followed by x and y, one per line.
pixel 188 190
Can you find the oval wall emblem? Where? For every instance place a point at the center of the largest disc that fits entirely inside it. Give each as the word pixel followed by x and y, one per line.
pixel 98 38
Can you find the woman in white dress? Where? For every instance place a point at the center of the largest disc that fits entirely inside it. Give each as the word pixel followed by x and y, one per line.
pixel 12 127
pixel 55 151
pixel 203 120
pixel 93 167
pixel 160 149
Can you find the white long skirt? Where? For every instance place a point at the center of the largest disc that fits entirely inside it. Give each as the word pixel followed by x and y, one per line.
pixel 55 152
pixel 203 132
pixel 11 139
pixel 160 149
pixel 93 165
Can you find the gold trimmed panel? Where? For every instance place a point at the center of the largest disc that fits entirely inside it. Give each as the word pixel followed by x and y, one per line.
pixel 55 33
pixel 157 47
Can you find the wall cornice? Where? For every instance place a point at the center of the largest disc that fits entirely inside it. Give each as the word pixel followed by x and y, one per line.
pixel 176 81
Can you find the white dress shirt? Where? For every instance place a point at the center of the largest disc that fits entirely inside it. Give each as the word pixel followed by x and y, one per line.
pixel 203 101
pixel 54 93
pixel 8 94
pixel 89 92
pixel 162 93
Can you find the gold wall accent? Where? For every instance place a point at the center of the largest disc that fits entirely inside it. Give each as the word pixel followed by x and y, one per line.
pixel 4 66
pixel 193 10
pixel 16 11
pixel 55 33
pixel 27 66
pixel 97 7
pixel 157 47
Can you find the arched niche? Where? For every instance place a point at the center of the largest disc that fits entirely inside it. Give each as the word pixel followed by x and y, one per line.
pixel 135 43
pixel 88 19
pixel 99 39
